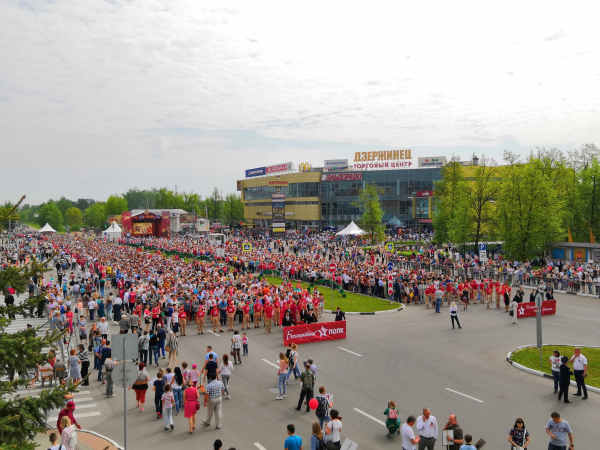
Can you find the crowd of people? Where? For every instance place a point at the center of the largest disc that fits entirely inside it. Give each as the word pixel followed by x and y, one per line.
pixel 154 288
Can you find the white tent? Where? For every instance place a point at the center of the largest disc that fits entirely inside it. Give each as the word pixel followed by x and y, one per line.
pixel 47 229
pixel 351 230
pixel 113 232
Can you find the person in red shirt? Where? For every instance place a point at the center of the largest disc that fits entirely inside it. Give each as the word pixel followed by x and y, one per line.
pixel 155 314
pixel 276 312
pixel 214 317
pixel 200 319
pixel 246 309
pixel 498 288
pixel 182 321
pixel 315 302
pixel 257 313
pixel 67 411
pixel 268 310
pixel 488 294
pixel 474 289
pixel 230 311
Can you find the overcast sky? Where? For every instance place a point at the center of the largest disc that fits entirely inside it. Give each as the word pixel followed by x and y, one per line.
pixel 97 97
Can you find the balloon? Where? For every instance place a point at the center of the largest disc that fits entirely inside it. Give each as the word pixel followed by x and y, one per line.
pixel 313 404
pixel 195 291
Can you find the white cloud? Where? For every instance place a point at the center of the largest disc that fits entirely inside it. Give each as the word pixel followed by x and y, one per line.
pixel 160 85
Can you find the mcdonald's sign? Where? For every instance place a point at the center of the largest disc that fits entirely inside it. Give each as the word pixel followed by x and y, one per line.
pixel 304 167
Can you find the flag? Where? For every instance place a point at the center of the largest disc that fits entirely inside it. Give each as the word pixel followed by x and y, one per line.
pixel 592 241
pixel 570 237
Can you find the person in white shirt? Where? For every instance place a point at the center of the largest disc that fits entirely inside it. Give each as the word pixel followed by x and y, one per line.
pixel 555 364
pixel 409 440
pixel 428 430
pixel 580 368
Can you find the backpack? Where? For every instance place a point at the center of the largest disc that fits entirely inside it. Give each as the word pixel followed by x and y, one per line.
pixel 73 439
pixel 393 414
pixel 307 383
pixel 321 410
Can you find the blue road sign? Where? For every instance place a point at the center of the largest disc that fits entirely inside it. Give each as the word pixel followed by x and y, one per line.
pixel 390 266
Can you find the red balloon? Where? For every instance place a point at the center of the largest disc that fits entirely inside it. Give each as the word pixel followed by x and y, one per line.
pixel 313 404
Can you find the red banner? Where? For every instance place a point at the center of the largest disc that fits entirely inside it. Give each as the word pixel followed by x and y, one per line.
pixel 166 225
pixel 528 309
pixel 127 223
pixel 315 332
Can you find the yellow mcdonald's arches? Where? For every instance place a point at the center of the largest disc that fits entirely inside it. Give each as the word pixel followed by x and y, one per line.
pixel 304 167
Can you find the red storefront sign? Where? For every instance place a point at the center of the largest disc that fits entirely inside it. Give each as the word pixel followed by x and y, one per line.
pixel 315 332
pixel 353 176
pixel 528 309
pixel 425 193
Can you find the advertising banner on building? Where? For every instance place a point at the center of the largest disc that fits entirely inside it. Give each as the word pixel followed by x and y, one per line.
pixel 166 224
pixel 285 167
pixel 528 309
pixel 127 224
pixel 425 193
pixel 279 183
pixel 278 210
pixel 353 176
pixel 187 218
pixel 315 332
pixel 258 172
pixel 335 164
pixel 435 161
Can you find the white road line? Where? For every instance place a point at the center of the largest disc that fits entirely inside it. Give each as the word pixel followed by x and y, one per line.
pixel 260 447
pixel 369 416
pixel 341 348
pixel 552 323
pixel 92 405
pixel 579 317
pixel 90 414
pixel 83 399
pixel 217 335
pixel 269 362
pixel 465 395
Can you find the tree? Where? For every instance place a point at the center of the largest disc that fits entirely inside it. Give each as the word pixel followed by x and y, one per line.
pixel 588 201
pixel 9 212
pixel 115 205
pixel 63 205
pixel 448 192
pixel 140 199
pixel 73 218
pixel 372 214
pixel 84 203
pixel 49 213
pixel 528 208
pixel 95 215
pixel 233 208
pixel 474 210
pixel 21 418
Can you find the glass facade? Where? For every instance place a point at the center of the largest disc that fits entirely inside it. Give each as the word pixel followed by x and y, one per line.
pixel 293 190
pixel 398 186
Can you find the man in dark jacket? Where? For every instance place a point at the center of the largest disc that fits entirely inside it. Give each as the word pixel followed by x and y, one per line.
pixel 565 379
pixel 339 315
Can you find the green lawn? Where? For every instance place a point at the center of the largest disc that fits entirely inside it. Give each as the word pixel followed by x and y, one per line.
pixel 530 357
pixel 352 302
pixel 34 225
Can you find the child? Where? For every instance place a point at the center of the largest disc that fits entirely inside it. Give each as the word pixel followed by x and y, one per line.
pixel 167 407
pixel 158 389
pixel 193 374
pixel 467 445
pixel 54 445
pixel 245 343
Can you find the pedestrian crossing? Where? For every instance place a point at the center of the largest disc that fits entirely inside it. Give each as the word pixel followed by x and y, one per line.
pixel 20 324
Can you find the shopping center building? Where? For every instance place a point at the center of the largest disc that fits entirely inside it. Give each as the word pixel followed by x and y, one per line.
pixel 321 196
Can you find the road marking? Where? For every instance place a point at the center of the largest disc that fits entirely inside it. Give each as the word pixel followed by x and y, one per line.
pixel 90 414
pixel 552 323
pixel 83 399
pixel 269 362
pixel 92 405
pixel 341 348
pixel 260 447
pixel 369 416
pixel 579 317
pixel 465 395
pixel 217 335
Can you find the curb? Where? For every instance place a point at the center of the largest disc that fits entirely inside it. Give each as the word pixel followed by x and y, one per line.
pixel 354 313
pixel 558 291
pixel 542 374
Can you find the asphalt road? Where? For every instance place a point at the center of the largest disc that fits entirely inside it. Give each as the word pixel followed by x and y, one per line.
pixel 413 357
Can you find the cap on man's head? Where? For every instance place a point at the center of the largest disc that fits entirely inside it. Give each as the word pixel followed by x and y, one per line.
pixel 71 405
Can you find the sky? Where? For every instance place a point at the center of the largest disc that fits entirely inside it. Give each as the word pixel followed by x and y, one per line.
pixel 97 97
